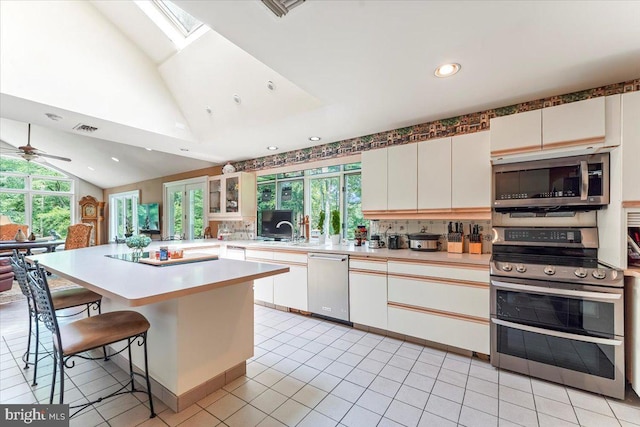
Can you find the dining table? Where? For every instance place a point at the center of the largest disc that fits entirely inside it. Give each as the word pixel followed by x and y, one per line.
pixel 28 245
pixel 201 313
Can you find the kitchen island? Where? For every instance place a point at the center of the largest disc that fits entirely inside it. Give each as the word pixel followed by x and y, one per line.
pixel 201 314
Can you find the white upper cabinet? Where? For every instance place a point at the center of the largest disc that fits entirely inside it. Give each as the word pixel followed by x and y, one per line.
pixel 516 133
pixel 631 148
pixel 232 196
pixel 471 172
pixel 374 180
pixel 576 123
pixel 402 178
pixel 434 174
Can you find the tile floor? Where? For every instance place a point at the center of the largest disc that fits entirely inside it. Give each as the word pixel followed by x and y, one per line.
pixel 310 372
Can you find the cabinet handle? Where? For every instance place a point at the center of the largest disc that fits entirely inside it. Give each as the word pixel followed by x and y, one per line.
pixel 584 189
pixel 557 334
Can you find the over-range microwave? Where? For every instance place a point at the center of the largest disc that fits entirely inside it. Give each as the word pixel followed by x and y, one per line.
pixel 569 182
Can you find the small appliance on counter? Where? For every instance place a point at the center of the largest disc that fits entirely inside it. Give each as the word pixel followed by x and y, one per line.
pixel 424 242
pixel 375 242
pixel 394 242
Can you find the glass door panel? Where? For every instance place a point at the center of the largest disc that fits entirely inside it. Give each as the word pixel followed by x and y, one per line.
pixel 266 201
pixel 194 215
pixel 291 196
pixel 215 195
pixel 175 196
pixel 232 193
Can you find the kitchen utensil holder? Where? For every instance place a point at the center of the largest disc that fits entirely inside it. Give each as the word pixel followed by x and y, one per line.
pixel 455 247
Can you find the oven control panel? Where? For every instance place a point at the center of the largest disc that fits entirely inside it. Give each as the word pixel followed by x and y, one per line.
pixel 555 235
pixel 558 273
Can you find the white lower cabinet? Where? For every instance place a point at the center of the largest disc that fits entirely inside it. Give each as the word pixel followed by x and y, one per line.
pixel 290 289
pixel 262 288
pixel 451 331
pixel 368 292
pixel 440 303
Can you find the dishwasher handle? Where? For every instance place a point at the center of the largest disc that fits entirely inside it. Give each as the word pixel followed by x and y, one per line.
pixel 324 257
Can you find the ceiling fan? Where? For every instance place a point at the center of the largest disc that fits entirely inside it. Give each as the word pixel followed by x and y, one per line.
pixel 29 153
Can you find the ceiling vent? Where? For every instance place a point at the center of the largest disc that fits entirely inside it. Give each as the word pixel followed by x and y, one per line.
pixel 282 7
pixel 85 128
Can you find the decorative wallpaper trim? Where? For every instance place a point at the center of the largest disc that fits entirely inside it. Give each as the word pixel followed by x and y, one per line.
pixel 468 123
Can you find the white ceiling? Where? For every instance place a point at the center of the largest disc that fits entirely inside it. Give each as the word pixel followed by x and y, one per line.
pixel 349 68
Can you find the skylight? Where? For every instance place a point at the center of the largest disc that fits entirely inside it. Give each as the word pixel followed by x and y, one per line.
pixel 183 21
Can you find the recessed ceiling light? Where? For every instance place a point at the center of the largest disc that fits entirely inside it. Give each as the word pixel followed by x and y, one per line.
pixel 236 98
pixel 271 85
pixel 53 117
pixel 447 70
pixel 90 168
pixel 148 149
pixel 115 159
pixel 314 138
pixel 184 149
pixel 272 148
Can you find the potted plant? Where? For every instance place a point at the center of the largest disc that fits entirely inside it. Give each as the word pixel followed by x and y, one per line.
pixel 335 227
pixel 321 235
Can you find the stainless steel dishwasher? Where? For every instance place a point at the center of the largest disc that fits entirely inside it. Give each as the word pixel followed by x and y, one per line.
pixel 328 285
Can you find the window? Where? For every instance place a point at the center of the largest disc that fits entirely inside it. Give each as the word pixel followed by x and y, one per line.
pixel 308 192
pixel 123 214
pixel 36 195
pixel 183 21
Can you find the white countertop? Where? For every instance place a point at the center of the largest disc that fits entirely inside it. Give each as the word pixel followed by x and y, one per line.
pixel 351 249
pixel 135 284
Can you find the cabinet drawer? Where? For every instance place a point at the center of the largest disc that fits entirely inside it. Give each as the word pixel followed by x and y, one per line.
pixel 373 265
pixel 299 257
pixel 431 294
pixel 252 254
pixel 448 330
pixel 450 272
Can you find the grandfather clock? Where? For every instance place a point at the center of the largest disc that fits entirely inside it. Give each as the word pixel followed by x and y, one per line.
pixel 92 212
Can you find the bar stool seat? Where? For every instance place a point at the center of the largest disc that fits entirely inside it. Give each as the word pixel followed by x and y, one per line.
pixel 104 329
pixel 75 297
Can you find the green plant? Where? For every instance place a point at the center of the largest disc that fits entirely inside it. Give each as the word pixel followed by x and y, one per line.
pixel 335 221
pixel 321 217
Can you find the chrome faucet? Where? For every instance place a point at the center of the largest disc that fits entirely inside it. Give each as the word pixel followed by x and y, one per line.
pixel 290 225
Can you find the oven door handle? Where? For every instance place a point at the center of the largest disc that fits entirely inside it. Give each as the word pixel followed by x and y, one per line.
pixel 584 171
pixel 575 337
pixel 554 291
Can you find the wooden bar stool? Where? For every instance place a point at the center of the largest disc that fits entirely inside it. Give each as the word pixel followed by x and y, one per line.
pixel 77 337
pixel 68 298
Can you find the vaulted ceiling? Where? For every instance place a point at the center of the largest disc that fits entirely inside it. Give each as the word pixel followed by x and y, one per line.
pixel 339 70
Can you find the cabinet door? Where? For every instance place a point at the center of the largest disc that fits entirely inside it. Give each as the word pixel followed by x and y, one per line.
pixel 631 147
pixel 374 180
pixel 290 289
pixel 517 133
pixel 263 289
pixel 368 298
pixel 471 171
pixel 577 123
pixel 434 174
pixel 402 179
pixel 215 195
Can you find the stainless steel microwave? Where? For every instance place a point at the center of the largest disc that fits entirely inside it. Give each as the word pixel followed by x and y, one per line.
pixel 579 181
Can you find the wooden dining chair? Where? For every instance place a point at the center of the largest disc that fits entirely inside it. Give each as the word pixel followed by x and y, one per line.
pixel 9 231
pixel 68 298
pixel 78 236
pixel 77 338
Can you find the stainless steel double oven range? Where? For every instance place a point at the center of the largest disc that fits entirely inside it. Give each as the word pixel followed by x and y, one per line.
pixel 557 313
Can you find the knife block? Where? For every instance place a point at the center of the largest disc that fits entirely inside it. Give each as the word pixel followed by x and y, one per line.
pixel 475 248
pixel 455 247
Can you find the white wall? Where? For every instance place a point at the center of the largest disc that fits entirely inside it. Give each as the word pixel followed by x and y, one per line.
pixel 66 54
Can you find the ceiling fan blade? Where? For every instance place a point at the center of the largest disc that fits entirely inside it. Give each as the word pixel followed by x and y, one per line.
pixel 51 156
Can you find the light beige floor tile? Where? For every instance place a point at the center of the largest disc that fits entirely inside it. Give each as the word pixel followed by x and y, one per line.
pixel 226 406
pixel 269 401
pixel 201 419
pixel 132 417
pixel 248 416
pixel 175 418
pixel 290 412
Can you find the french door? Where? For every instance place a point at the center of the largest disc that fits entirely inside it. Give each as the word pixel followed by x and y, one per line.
pixel 184 212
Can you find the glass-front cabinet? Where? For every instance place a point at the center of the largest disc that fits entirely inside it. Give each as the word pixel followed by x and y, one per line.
pixel 232 196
